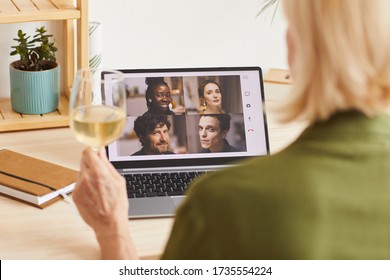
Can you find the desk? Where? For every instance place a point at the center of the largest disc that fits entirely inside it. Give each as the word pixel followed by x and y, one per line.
pixel 58 232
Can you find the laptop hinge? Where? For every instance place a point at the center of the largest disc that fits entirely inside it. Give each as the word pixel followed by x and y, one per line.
pixel 173 169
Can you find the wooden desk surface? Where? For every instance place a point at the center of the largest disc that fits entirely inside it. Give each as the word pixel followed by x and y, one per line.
pixel 58 232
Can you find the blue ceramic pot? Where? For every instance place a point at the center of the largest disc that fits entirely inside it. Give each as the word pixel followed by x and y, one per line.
pixel 35 92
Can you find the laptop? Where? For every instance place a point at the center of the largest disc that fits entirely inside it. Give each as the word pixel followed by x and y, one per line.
pixel 158 157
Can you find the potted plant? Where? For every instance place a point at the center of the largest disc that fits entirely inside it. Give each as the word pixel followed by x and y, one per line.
pixel 34 78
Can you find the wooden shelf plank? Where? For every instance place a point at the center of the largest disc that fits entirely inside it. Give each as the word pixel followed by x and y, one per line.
pixel 44 4
pixel 40 16
pixel 7 7
pixel 12 121
pixel 37 10
pixel 63 4
pixel 24 5
pixel 6 110
pixel 34 123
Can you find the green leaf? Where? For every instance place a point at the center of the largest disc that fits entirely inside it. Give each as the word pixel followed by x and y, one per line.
pixel 34 51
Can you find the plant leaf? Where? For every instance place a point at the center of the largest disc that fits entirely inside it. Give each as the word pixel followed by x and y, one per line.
pixel 267 4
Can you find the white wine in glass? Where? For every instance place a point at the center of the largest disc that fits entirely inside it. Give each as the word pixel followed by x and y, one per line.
pixel 98 107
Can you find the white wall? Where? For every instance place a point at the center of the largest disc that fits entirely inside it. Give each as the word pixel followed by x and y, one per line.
pixel 176 33
pixel 180 33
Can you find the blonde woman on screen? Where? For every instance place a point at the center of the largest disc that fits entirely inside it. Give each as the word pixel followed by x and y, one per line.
pixel 326 196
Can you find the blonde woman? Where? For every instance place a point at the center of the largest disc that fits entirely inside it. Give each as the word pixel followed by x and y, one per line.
pixel 327 195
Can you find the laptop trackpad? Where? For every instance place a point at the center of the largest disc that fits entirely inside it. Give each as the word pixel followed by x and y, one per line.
pixel 151 207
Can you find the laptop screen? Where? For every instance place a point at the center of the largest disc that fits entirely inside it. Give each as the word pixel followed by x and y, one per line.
pixel 187 117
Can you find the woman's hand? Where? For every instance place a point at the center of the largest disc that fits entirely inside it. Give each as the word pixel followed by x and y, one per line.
pixel 100 196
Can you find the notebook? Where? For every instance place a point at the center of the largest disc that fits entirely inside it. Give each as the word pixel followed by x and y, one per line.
pixel 181 124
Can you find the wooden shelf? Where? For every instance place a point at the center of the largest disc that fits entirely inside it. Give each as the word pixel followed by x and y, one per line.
pixel 37 10
pixel 70 12
pixel 13 121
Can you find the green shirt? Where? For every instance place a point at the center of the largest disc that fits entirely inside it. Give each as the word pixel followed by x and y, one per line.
pixel 326 196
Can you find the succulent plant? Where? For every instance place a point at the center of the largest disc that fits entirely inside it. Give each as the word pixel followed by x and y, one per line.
pixel 35 52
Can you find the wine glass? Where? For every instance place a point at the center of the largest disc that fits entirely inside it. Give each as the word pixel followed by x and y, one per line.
pixel 97 106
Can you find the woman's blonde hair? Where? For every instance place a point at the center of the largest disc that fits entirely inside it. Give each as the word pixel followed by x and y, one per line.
pixel 342 57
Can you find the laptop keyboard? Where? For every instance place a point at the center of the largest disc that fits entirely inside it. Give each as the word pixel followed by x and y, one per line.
pixel 159 184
